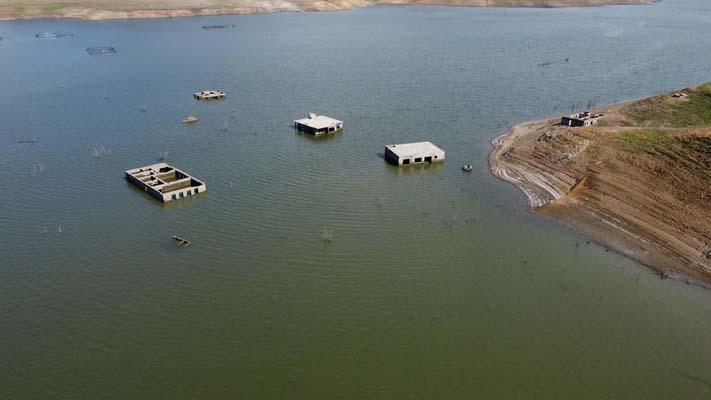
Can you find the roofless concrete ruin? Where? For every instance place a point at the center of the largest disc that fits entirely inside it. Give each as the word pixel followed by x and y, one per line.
pixel 164 182
pixel 585 118
pixel 413 153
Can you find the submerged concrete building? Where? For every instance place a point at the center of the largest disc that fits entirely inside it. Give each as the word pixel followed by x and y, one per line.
pixel 318 124
pixel 209 95
pixel 413 153
pixel 585 118
pixel 165 182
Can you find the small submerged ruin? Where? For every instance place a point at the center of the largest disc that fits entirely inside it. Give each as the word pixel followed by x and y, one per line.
pixel 49 35
pixel 413 153
pixel 209 27
pixel 164 182
pixel 101 50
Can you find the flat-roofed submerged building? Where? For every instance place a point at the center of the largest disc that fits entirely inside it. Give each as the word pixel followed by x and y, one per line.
pixel 413 153
pixel 209 94
pixel 318 124
pixel 165 182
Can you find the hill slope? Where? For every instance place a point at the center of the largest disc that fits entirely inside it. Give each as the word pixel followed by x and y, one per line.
pixel 639 182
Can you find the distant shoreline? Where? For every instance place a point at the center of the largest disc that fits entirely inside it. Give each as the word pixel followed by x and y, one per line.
pixel 636 183
pixel 134 9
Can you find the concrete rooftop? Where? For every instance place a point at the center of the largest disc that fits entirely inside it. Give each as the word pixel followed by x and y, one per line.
pixel 410 150
pixel 318 122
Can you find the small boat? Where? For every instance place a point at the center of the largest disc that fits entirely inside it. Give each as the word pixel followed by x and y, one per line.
pixel 189 120
pixel 467 167
pixel 182 242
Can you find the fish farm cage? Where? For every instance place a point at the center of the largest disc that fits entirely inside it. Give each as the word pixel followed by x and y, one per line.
pixel 97 51
pixel 47 35
pixel 218 26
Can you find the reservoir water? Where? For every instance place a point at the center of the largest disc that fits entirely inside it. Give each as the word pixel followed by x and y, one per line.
pixel 435 283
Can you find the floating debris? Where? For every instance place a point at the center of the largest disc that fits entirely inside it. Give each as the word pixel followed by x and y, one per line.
pixel 467 167
pixel 22 141
pixel 59 229
pixel 102 50
pixel 189 119
pixel 182 242
pixel 49 35
pixel 163 156
pixel 143 109
pixel 208 27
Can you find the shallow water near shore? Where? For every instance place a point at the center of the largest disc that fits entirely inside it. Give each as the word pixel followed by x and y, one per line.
pixel 436 283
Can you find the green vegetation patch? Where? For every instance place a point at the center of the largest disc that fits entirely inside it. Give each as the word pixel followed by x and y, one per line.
pixel 642 139
pixel 694 110
pixel 53 7
pixel 20 10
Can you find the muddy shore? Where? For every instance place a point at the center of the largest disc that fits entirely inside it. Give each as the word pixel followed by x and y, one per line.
pixel 638 182
pixel 134 9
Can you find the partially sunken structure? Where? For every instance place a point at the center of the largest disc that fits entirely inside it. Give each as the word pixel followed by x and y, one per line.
pixel 585 118
pixel 165 182
pixel 318 124
pixel 101 50
pixel 49 35
pixel 218 26
pixel 209 94
pixel 413 153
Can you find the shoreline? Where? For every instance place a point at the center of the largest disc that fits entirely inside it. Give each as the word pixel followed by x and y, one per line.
pixel 32 9
pixel 621 214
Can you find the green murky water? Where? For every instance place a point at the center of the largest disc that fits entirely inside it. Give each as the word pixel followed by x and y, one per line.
pixel 437 284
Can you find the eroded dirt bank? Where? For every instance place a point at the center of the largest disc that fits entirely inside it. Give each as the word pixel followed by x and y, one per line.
pixel 638 182
pixel 128 9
